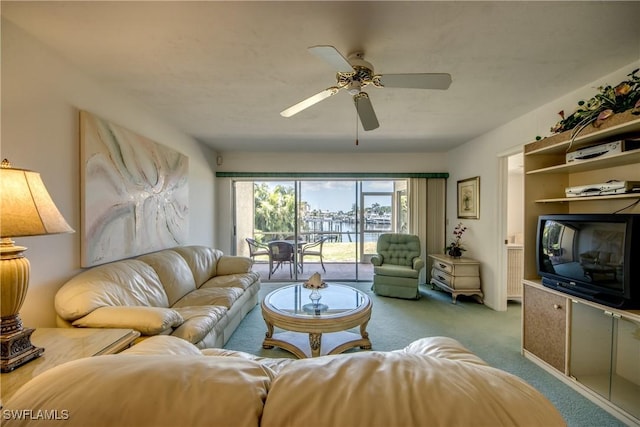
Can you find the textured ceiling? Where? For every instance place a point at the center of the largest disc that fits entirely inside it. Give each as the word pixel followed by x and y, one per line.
pixel 222 71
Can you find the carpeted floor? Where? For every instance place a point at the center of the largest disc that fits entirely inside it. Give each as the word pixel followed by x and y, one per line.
pixel 492 335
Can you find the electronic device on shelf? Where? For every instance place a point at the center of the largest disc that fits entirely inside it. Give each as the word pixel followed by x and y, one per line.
pixel 603 150
pixel 592 256
pixel 613 186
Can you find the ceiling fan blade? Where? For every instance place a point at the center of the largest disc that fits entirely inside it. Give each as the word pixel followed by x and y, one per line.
pixel 365 111
pixel 312 100
pixel 416 81
pixel 330 55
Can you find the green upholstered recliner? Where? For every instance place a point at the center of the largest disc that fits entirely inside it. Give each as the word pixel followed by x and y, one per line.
pixel 397 265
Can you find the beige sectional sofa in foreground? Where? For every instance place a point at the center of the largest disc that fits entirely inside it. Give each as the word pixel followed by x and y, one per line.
pixel 165 381
pixel 191 292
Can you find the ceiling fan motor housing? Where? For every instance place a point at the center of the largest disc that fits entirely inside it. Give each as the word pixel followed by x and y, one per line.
pixel 361 76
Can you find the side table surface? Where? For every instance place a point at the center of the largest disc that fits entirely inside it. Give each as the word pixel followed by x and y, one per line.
pixel 63 345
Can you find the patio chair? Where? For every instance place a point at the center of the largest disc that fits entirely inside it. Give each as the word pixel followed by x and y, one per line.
pixel 256 248
pixel 281 252
pixel 397 265
pixel 313 249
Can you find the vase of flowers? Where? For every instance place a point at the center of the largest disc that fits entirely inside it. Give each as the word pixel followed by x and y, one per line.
pixel 455 248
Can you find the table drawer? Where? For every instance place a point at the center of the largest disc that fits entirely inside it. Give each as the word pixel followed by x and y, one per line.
pixel 442 276
pixel 443 266
pixel 456 282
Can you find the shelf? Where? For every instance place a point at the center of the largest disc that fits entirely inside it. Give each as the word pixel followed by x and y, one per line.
pixel 590 198
pixel 626 124
pixel 620 159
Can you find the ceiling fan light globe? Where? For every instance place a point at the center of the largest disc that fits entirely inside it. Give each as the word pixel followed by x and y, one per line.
pixel 354 88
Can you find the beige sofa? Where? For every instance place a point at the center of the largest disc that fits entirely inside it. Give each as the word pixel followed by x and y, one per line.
pixel 164 381
pixel 192 292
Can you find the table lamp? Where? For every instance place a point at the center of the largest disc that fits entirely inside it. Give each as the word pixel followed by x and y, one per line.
pixel 26 209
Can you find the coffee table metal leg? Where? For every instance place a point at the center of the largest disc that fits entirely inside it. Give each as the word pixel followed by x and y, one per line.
pixel 314 342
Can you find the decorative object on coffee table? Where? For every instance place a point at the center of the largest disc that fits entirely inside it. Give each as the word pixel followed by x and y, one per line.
pixel 315 283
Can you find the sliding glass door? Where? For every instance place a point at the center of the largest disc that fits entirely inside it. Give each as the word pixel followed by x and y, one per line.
pixel 332 226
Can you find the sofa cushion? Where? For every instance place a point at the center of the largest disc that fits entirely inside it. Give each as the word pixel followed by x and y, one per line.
pixel 443 347
pixel 174 273
pixel 146 320
pixel 396 271
pixel 210 296
pixel 198 321
pixel 201 260
pixel 243 281
pixel 154 391
pixel 229 264
pixel 163 344
pixel 126 282
pixel 402 389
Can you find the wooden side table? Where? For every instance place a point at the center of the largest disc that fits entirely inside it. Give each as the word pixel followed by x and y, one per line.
pixel 63 345
pixel 460 276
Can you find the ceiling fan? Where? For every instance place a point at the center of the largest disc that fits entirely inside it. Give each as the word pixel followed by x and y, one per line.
pixel 354 74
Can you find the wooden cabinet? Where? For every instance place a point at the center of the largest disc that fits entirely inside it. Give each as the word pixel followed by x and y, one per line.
pixel 553 335
pixel 545 326
pixel 459 276
pixel 605 353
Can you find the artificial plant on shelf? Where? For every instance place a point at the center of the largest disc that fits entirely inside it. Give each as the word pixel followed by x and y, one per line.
pixel 609 101
pixel 455 248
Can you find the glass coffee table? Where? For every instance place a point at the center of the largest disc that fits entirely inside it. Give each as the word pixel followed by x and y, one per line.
pixel 315 329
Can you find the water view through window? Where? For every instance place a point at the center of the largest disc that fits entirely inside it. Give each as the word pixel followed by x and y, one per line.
pixel 333 226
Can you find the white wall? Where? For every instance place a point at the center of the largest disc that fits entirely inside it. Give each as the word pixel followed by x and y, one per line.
pixel 310 162
pixel 41 96
pixel 480 157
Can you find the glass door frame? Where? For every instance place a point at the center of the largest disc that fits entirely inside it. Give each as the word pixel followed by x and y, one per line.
pixel 297 182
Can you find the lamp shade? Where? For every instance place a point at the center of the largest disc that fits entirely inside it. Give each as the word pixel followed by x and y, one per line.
pixel 26 209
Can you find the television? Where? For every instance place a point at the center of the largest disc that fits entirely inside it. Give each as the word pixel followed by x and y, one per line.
pixel 592 256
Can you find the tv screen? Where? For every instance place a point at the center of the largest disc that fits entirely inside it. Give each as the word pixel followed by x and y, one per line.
pixel 591 256
pixel 587 251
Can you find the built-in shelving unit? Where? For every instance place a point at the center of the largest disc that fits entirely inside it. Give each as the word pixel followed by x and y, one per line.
pixel 552 334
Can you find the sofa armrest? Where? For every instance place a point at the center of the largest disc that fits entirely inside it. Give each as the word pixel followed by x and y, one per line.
pixel 233 264
pixel 146 320
pixel 377 259
pixel 418 264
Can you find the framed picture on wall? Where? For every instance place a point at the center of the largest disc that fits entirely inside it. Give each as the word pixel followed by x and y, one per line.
pixel 469 198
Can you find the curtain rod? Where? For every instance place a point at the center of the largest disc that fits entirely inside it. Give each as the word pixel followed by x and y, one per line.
pixel 332 175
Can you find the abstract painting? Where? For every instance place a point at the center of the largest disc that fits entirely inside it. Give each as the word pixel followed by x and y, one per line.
pixel 134 193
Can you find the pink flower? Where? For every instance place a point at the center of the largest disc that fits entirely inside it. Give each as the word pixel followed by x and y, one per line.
pixel 602 117
pixel 622 89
